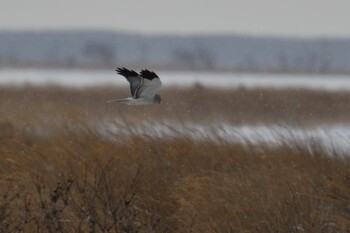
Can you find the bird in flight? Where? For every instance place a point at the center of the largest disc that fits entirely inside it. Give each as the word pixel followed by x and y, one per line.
pixel 143 87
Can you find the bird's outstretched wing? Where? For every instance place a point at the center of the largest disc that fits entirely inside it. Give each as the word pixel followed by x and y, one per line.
pixel 134 79
pixel 148 75
pixel 151 84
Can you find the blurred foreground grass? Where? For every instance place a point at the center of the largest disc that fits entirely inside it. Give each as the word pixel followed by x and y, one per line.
pixel 78 181
pixel 82 183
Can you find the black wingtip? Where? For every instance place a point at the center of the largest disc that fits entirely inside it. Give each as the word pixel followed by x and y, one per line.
pixel 148 74
pixel 125 72
pixel 121 70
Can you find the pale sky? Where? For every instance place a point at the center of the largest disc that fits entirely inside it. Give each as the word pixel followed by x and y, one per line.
pixel 297 18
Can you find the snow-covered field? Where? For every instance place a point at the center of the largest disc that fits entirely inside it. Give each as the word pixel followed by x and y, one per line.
pixel 83 78
pixel 332 138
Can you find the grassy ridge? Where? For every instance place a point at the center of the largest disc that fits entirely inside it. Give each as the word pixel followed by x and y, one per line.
pixel 77 181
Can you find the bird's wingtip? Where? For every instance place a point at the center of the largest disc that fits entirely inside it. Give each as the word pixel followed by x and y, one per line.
pixel 126 72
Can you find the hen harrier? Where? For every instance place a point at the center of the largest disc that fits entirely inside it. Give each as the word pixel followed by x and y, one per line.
pixel 143 87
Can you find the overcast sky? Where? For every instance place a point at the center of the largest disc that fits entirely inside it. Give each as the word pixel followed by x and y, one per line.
pixel 295 18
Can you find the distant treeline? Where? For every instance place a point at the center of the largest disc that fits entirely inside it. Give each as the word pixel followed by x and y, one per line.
pixel 98 49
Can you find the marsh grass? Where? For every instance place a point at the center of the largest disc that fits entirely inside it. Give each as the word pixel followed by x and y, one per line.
pixel 83 183
pixel 27 106
pixel 74 180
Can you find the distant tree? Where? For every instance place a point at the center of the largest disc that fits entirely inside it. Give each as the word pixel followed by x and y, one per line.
pixel 198 58
pixel 184 58
pixel 325 65
pixel 283 62
pixel 204 58
pixel 312 62
pixel 250 64
pixel 102 53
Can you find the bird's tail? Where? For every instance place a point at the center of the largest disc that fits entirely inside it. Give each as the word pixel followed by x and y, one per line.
pixel 118 101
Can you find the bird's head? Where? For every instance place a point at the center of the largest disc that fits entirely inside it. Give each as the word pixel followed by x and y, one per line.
pixel 157 99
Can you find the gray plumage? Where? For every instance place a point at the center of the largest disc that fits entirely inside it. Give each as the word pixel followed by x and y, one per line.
pixel 143 87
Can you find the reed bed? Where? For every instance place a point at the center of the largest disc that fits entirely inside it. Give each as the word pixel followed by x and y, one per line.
pixel 27 105
pixel 74 180
pixel 83 183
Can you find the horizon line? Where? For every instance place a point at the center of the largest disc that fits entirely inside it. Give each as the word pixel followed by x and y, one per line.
pixel 175 34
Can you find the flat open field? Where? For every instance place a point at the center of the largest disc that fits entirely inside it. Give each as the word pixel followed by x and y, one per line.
pixel 66 165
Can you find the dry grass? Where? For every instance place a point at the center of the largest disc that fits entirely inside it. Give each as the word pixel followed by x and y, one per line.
pixel 78 181
pixel 28 106
pixel 83 183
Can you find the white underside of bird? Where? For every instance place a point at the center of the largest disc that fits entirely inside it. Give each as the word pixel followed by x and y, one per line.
pixel 133 101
